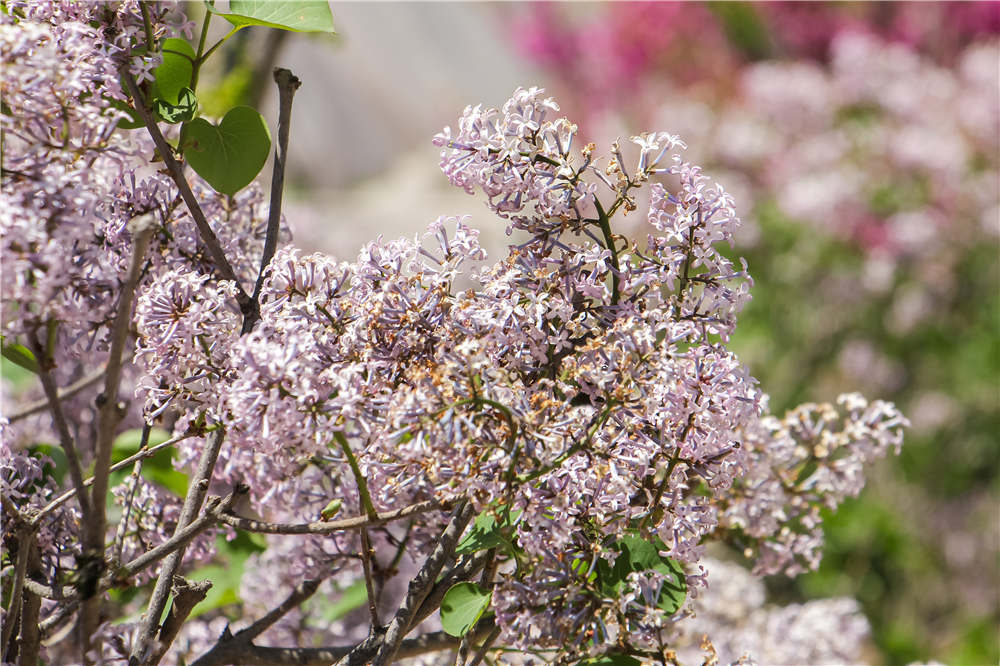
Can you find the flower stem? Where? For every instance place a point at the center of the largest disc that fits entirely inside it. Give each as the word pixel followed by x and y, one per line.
pixel 602 219
pixel 366 499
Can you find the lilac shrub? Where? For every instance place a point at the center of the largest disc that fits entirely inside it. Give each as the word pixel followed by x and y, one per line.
pixel 525 458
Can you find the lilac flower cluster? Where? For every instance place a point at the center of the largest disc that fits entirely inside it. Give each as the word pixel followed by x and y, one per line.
pixel 585 386
pixel 517 156
pixel 814 457
pixel 578 394
pixel 25 481
pixel 735 613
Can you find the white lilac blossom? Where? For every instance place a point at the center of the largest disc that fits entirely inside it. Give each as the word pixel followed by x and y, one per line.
pixel 579 391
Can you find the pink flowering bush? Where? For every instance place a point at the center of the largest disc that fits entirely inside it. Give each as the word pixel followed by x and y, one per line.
pixel 624 56
pixel 527 458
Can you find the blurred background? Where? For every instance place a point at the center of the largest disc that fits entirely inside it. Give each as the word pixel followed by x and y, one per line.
pixel 861 144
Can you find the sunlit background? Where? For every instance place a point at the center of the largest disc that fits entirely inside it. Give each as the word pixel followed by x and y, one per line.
pixel 861 143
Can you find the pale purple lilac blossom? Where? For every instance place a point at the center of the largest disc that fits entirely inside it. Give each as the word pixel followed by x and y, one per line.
pixel 583 381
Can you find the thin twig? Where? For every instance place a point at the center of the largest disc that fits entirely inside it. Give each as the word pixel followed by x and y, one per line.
pixel 329 527
pixel 484 648
pixel 59 418
pixel 422 583
pixel 302 591
pixel 30 637
pixel 359 478
pixel 62 394
pixel 287 85
pixel 366 560
pixel 197 489
pixel 179 540
pixel 108 417
pixel 198 61
pixel 13 615
pixel 183 536
pixel 133 487
pixel 49 624
pixel 139 455
pixel 177 174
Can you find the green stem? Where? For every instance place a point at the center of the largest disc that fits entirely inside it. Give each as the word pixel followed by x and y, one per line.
pixel 199 59
pixel 663 487
pixel 366 499
pixel 147 24
pixel 205 56
pixel 571 451
pixel 605 222
pixel 685 276
pixel 670 467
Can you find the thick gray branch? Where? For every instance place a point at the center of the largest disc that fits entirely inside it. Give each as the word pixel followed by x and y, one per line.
pixel 253 655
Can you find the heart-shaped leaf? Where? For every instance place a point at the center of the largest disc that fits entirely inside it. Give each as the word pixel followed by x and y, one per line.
pixel 231 154
pixel 183 111
pixel 295 15
pixel 174 73
pixel 462 606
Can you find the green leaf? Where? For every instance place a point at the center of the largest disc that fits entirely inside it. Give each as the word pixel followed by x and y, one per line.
pixel 19 355
pixel 462 606
pixel 181 112
pixel 18 377
pixel 294 15
pixel 229 156
pixel 637 554
pixel 614 659
pixel 174 73
pixel 132 121
pixel 488 533
pixel 60 465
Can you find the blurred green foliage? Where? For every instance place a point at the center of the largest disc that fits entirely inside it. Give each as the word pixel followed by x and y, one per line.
pixel 887 547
